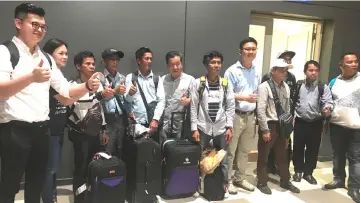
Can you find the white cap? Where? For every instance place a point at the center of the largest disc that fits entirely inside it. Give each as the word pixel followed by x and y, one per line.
pixel 279 63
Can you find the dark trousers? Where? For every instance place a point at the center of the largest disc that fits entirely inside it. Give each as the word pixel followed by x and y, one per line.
pixel 84 150
pixel 116 131
pixel 278 144
pixel 25 148
pixel 271 157
pixel 306 135
pixel 49 194
pixel 346 143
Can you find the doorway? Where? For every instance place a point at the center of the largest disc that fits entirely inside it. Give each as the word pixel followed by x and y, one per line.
pixel 276 34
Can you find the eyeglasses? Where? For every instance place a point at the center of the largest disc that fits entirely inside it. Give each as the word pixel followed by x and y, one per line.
pixel 250 49
pixel 36 26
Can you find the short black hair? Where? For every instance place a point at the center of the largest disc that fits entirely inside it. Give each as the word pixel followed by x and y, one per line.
pixel 211 55
pixel 247 40
pixel 53 44
pixel 22 10
pixel 347 53
pixel 173 54
pixel 79 57
pixel 311 62
pixel 141 51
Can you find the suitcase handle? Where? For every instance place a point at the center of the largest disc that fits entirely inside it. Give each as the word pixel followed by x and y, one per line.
pixel 183 113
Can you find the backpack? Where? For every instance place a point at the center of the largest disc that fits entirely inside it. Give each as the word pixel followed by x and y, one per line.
pixel 203 86
pixel 15 55
pixel 296 96
pixel 92 122
pixel 332 82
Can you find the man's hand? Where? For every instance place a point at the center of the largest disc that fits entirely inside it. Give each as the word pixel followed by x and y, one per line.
pixel 286 143
pixel 133 89
pixel 108 92
pixel 196 135
pixel 40 74
pixel 267 137
pixel 252 98
pixel 105 138
pixel 131 115
pixel 94 82
pixel 153 126
pixel 326 111
pixel 184 100
pixel 121 89
pixel 228 135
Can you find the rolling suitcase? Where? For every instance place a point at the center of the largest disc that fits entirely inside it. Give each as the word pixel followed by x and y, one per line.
pixel 143 160
pixel 106 179
pixel 180 165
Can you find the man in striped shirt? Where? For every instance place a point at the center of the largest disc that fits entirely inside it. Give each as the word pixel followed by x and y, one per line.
pixel 212 109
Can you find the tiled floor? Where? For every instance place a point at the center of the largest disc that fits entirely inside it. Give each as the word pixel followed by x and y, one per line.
pixel 309 193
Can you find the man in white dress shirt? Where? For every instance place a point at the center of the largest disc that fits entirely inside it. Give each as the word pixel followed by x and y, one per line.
pixel 25 86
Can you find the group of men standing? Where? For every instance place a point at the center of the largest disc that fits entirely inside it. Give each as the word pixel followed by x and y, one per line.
pixel 221 111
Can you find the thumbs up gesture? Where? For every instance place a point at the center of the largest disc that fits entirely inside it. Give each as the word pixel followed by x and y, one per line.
pixel 108 92
pixel 94 83
pixel 121 89
pixel 41 74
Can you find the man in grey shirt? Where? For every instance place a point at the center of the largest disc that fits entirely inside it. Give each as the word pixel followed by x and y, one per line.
pixel 313 102
pixel 269 131
pixel 177 86
pixel 212 109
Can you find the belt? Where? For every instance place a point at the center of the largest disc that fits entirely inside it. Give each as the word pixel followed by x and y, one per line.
pixel 244 113
pixel 27 124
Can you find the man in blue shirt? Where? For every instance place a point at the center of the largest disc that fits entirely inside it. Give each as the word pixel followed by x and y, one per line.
pixel 147 111
pixel 114 108
pixel 244 82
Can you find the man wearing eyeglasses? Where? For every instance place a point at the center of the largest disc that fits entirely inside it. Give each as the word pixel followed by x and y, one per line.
pixel 26 74
pixel 244 82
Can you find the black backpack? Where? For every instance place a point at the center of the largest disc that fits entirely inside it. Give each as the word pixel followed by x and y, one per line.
pixel 92 122
pixel 15 55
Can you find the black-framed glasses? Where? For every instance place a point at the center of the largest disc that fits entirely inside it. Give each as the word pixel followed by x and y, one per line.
pixel 36 26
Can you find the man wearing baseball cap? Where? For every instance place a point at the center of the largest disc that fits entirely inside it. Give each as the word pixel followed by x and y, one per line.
pixel 269 131
pixel 290 79
pixel 115 107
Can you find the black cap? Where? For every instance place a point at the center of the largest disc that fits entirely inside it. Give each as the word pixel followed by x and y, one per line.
pixel 111 52
pixel 287 53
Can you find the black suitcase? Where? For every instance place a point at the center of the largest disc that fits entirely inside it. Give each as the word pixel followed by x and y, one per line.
pixel 213 189
pixel 180 165
pixel 143 160
pixel 106 179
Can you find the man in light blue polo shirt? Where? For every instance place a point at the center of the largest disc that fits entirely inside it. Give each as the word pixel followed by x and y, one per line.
pixel 114 108
pixel 244 81
pixel 144 80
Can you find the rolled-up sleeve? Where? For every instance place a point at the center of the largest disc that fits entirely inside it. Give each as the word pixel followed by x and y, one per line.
pixel 158 112
pixel 262 100
pixel 58 81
